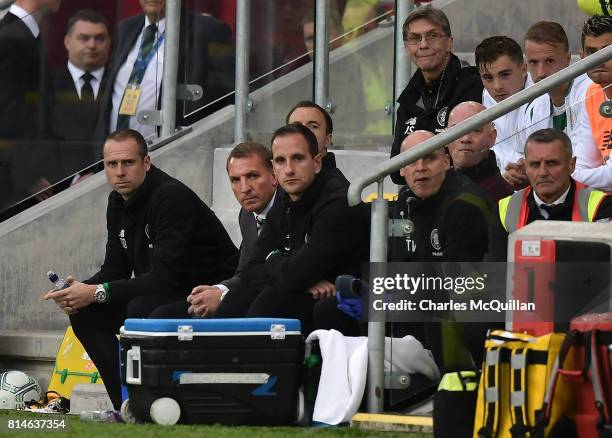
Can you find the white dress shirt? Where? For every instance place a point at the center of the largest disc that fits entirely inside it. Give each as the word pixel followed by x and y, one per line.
pixel 264 212
pixel 26 18
pixel 150 84
pixel 78 81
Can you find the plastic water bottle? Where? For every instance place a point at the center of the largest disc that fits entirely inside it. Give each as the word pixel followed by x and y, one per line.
pixel 58 283
pixel 101 416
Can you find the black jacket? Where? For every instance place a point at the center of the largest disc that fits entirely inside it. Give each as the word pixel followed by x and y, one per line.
pixel 317 237
pixel 449 226
pixel 72 119
pixel 498 236
pixel 486 174
pixel 329 164
pixel 23 98
pixel 168 237
pixel 423 106
pixel 73 123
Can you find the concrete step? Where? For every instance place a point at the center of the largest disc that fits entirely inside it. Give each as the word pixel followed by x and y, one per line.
pixel 32 352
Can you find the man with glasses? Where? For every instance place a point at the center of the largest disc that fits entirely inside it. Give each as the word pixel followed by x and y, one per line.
pixel 440 82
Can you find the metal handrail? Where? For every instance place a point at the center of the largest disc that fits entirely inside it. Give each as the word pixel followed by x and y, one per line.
pixel 474 122
pixel 243 11
pixel 321 55
pixel 170 73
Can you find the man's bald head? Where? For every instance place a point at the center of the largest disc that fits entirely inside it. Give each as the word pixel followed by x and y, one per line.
pixel 469 150
pixel 417 137
pixel 426 175
pixel 464 111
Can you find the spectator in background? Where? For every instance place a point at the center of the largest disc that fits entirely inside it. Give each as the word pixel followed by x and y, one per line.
pixel 206 58
pixel 472 154
pixel 504 73
pixel 593 135
pixel 440 82
pixel 547 52
pixel 26 162
pixel 22 70
pixel 358 17
pixel 335 30
pixel 78 88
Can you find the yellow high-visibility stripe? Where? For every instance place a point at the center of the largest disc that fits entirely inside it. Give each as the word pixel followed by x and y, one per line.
pixel 594 200
pixel 503 210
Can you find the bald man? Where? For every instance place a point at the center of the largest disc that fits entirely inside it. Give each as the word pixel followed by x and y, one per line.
pixel 472 155
pixel 450 214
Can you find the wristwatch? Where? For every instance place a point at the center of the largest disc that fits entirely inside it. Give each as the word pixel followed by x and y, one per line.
pixel 100 295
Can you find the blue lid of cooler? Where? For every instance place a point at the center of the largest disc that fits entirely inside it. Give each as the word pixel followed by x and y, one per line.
pixel 212 325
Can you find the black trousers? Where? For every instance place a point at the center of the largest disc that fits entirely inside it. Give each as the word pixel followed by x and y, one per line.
pixel 97 327
pixel 235 304
pixel 276 302
pixel 176 310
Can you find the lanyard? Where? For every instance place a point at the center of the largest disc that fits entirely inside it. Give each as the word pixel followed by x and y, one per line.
pixel 142 61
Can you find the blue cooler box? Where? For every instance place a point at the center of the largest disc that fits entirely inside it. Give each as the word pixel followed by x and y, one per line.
pixel 226 371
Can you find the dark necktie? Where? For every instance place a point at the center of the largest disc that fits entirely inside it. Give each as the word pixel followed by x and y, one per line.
pixel 259 222
pixel 554 211
pixel 87 94
pixel 148 39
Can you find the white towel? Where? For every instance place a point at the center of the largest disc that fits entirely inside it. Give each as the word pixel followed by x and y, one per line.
pixel 344 370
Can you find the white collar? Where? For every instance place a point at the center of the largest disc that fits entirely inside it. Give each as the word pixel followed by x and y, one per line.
pixel 560 199
pixel 27 19
pixel 76 72
pixel 161 24
pixel 265 211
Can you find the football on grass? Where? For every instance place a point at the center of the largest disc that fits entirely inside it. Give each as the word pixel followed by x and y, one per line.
pixel 16 388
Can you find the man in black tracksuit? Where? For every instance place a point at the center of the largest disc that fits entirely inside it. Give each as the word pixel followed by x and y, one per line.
pixel 159 231
pixel 440 82
pixel 311 235
pixel 450 214
pixel 457 214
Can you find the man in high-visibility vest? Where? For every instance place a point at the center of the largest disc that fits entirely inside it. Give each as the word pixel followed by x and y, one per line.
pixel 593 134
pixel 552 194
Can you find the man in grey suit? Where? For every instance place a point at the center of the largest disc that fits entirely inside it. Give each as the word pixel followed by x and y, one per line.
pixel 249 167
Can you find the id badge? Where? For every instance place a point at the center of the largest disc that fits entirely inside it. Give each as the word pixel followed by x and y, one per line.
pixel 129 103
